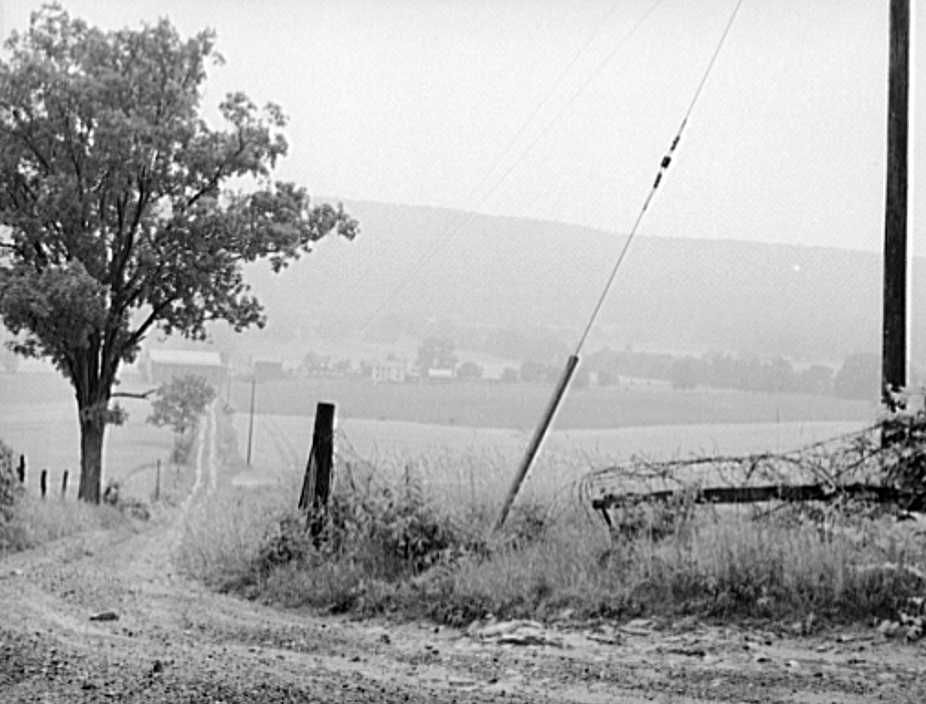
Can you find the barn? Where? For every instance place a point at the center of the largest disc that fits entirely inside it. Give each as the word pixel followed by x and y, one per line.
pixel 161 366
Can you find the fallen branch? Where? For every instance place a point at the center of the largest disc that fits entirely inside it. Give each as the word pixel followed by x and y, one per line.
pixel 133 394
pixel 757 494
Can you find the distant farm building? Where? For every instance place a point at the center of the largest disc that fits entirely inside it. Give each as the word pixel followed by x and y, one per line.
pixel 160 366
pixel 391 371
pixel 440 374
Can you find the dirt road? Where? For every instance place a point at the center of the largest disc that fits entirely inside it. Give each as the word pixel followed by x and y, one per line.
pixel 173 641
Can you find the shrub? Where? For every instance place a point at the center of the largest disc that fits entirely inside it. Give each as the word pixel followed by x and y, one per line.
pixel 10 489
pixel 390 532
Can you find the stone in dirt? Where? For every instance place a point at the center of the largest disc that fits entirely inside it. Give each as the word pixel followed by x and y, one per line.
pixel 519 632
pixel 638 627
pixel 105 616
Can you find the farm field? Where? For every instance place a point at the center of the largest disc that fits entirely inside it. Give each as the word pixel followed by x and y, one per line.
pixel 518 406
pixel 477 463
pixel 38 418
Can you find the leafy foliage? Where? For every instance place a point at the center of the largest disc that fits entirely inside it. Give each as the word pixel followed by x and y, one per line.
pixel 392 531
pixel 904 439
pixel 112 194
pixel 180 402
pixel 469 370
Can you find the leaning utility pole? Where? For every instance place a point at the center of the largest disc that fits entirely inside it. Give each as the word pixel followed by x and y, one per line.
pixel 894 329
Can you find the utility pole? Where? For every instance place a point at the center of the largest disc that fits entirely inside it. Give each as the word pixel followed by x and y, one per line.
pixel 251 415
pixel 894 329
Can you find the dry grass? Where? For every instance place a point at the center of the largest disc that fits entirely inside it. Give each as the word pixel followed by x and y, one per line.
pixel 398 549
pixel 34 521
pixel 222 538
pixel 724 566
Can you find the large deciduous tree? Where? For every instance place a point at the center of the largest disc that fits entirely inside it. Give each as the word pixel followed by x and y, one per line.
pixel 115 200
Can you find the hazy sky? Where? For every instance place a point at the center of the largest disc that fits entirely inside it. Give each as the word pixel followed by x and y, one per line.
pixel 414 101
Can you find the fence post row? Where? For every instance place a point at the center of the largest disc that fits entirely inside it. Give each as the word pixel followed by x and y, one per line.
pixel 316 486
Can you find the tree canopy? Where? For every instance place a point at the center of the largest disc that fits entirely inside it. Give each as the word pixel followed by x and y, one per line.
pixel 115 201
pixel 180 402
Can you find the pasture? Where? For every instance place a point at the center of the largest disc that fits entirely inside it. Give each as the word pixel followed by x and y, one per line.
pixel 38 418
pixel 486 404
pixel 476 464
pixel 465 439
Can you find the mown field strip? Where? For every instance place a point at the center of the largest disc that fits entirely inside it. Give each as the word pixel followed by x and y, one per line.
pixel 464 459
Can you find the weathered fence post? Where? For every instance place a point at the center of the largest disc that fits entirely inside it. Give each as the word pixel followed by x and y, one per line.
pixel 316 486
pixel 43 482
pixel 21 470
pixel 157 481
pixel 64 485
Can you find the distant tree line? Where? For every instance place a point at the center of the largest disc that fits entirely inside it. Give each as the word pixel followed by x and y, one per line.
pixel 857 378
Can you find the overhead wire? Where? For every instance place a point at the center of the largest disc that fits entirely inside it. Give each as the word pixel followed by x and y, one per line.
pixel 562 387
pixel 663 166
pixel 450 234
pixel 512 141
pixel 551 91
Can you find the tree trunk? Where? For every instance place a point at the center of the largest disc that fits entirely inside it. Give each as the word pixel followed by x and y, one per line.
pixel 92 430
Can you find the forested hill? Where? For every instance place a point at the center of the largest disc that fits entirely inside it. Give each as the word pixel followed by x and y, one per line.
pixel 802 302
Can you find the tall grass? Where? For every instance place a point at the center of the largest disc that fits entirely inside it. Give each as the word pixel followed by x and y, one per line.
pixel 223 538
pixel 394 546
pixel 27 520
pixel 33 521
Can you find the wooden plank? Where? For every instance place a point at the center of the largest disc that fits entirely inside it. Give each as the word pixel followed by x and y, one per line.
pixel 758 494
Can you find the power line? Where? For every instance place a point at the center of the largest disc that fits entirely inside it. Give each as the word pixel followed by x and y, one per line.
pixel 449 234
pixel 562 387
pixel 599 25
pixel 664 165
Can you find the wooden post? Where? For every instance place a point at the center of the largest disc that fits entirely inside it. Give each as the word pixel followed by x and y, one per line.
pixel 540 435
pixel 251 416
pixel 43 482
pixel 21 470
pixel 64 485
pixel 316 486
pixel 157 481
pixel 894 325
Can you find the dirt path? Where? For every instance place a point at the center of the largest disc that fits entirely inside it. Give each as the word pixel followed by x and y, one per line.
pixel 174 641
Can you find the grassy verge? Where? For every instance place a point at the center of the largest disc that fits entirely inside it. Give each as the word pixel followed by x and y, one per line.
pixel 27 520
pixel 393 548
pixel 33 521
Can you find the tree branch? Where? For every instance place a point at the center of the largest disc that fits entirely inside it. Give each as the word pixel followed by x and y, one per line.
pixel 130 394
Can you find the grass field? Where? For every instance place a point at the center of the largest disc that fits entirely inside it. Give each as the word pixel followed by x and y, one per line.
pixel 38 418
pixel 477 463
pixel 469 436
pixel 518 406
pixel 384 537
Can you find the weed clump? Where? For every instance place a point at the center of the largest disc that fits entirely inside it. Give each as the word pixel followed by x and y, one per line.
pixel 396 548
pixel 374 539
pixel 10 488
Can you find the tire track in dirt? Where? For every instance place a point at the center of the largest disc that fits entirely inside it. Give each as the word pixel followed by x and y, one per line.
pixel 212 463
pixel 197 472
